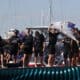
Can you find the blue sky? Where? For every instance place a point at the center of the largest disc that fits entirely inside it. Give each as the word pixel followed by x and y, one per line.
pixel 22 13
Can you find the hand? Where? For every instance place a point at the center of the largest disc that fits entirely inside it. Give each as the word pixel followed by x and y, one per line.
pixel 43 49
pixel 33 49
pixel 77 42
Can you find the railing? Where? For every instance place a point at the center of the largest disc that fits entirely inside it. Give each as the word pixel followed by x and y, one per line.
pixel 55 73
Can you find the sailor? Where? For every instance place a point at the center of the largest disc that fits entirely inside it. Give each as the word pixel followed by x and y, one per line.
pixel 1 50
pixel 38 47
pixel 27 47
pixel 53 33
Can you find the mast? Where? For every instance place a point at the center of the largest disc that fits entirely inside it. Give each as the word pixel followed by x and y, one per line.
pixel 42 18
pixel 51 11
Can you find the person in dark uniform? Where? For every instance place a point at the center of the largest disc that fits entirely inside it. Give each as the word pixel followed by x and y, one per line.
pixel 53 33
pixel 75 47
pixel 38 47
pixel 75 52
pixel 67 51
pixel 14 42
pixel 27 47
pixel 79 45
pixel 1 50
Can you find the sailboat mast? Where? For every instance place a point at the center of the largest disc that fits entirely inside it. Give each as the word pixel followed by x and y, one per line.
pixel 51 11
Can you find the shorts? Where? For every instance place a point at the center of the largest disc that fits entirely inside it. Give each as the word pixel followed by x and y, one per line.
pixel 1 51
pixel 14 52
pixel 27 51
pixel 75 53
pixel 52 50
pixel 38 52
pixel 67 54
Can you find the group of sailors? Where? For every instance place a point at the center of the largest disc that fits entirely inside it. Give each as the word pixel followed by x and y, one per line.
pixel 19 48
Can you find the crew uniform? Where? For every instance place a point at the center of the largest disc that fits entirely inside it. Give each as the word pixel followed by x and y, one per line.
pixel 1 45
pixel 14 42
pixel 52 42
pixel 38 45
pixel 1 50
pixel 67 47
pixel 75 48
pixel 28 44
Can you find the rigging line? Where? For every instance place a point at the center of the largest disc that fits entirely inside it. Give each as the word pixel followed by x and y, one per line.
pixel 10 16
pixel 42 18
pixel 15 14
pixel 61 10
pixel 12 13
pixel 51 11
